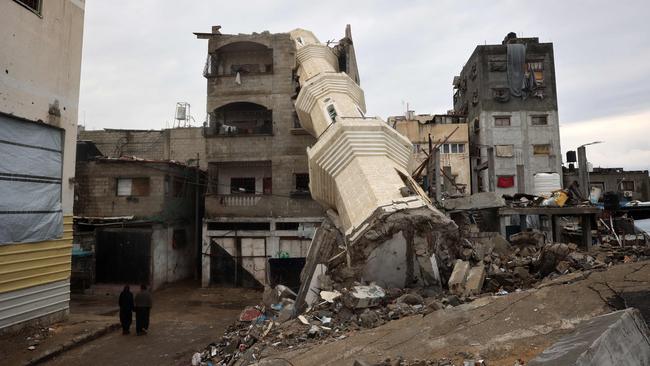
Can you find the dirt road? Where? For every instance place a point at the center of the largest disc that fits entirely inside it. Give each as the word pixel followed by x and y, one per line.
pixel 183 320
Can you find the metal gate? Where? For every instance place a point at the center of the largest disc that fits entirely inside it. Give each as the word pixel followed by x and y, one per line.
pixel 123 255
pixel 239 261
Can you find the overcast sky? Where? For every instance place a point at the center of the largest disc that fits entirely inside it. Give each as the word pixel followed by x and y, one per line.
pixel 140 58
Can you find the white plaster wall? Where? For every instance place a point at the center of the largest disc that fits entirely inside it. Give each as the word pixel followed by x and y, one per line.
pixel 40 63
pixel 171 264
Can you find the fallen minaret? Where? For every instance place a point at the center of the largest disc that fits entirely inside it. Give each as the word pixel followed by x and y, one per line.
pixel 390 232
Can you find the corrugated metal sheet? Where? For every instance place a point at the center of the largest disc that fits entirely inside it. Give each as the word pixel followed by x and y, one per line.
pixel 35 278
pixel 32 264
pixel 34 302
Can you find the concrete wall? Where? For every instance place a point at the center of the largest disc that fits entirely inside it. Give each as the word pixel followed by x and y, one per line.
pixel 97 190
pixel 178 144
pixel 40 71
pixel 475 97
pixel 610 180
pixel 172 262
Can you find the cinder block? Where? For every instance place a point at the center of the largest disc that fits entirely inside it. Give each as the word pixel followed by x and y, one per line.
pixel 475 279
pixel 458 276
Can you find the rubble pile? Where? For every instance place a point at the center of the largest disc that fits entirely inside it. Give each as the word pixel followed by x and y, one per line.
pixel 273 326
pixel 402 362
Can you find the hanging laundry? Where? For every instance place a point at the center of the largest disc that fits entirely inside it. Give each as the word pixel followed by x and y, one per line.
pixel 506 182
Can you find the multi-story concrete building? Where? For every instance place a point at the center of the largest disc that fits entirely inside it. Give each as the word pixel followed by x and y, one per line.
pixel 39 87
pixel 508 94
pixel 258 204
pixel 448 131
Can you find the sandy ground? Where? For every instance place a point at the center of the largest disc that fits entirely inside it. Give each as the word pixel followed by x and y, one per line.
pixel 499 329
pixel 184 319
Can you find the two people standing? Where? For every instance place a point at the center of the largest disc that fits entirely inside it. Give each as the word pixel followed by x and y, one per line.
pixel 142 307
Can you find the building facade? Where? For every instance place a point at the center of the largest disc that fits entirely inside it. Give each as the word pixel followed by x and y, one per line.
pixel 508 94
pixel 629 184
pixel 41 65
pixel 135 220
pixel 450 132
pixel 258 205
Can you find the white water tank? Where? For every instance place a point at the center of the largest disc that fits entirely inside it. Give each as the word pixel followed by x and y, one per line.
pixel 545 183
pixel 180 112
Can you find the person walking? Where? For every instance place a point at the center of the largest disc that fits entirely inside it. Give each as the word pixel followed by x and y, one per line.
pixel 143 304
pixel 126 309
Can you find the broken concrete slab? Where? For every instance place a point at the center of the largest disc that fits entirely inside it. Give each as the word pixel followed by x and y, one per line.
pixel 475 280
pixel 364 297
pixel 458 276
pixel 618 338
pixel 477 201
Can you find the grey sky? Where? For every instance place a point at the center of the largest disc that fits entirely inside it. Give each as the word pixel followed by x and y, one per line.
pixel 140 58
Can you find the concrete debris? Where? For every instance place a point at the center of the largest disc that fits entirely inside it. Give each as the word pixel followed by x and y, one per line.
pixel 475 279
pixel 458 277
pixel 330 296
pixel 364 297
pixel 477 201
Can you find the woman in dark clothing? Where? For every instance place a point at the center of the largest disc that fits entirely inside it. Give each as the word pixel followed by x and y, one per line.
pixel 126 309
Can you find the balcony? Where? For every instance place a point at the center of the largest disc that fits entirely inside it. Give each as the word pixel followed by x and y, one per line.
pixel 240 119
pixel 238 200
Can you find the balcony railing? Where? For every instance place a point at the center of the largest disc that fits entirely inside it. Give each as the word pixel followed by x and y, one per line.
pixel 239 200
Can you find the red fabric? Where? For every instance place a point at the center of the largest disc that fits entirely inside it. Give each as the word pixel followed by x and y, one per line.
pixel 506 182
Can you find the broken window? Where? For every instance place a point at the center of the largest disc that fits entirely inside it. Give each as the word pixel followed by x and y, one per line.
pixel 543 149
pixel 627 185
pixel 33 5
pixel 133 186
pixel 302 182
pixel 242 185
pixel 540 120
pixel 502 121
pixel 331 112
pixel 505 151
pixel 537 67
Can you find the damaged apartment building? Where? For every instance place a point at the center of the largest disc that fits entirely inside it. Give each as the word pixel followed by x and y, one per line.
pixel 447 132
pixel 508 94
pixel 136 220
pixel 259 214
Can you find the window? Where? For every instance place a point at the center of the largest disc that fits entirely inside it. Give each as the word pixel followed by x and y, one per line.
pixel 133 186
pixel 502 121
pixel 242 185
pixel 452 148
pixel 33 5
pixel 504 151
pixel 302 182
pixel 331 111
pixel 416 148
pixel 544 149
pixel 539 120
pixel 627 185
pixel 537 68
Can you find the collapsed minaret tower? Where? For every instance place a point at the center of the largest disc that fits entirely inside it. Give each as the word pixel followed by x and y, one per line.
pixel 357 168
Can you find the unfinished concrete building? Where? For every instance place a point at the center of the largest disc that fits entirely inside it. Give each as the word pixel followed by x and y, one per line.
pixel 450 133
pixel 258 207
pixel 509 95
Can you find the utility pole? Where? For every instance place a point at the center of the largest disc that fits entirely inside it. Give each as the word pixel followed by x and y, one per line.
pixel 583 174
pixel 491 170
pixel 436 172
pixel 197 223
